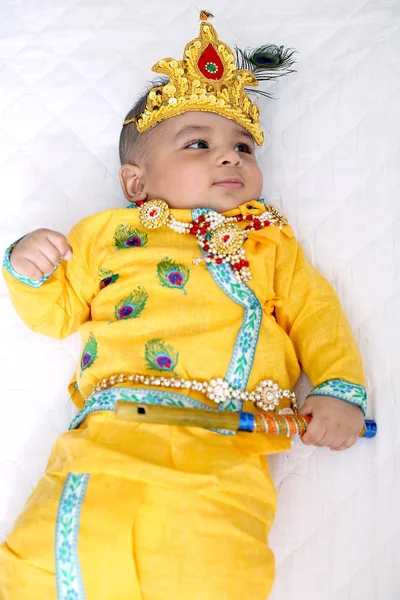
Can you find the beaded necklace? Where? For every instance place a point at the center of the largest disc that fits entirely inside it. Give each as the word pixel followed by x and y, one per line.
pixel 219 237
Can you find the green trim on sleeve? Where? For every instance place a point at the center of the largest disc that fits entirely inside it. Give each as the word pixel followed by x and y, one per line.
pixel 344 390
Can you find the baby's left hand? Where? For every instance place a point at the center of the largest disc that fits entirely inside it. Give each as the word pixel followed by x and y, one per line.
pixel 335 423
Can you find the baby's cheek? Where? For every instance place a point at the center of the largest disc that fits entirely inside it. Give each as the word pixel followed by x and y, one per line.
pixel 256 180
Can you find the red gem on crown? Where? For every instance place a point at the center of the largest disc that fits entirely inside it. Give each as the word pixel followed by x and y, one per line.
pixel 209 64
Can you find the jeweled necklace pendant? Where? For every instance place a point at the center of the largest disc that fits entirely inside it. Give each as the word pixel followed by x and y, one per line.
pixel 219 237
pixel 221 242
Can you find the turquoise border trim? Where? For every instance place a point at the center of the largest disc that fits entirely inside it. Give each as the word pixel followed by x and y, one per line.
pixel 244 349
pixel 246 341
pixel 344 390
pixel 35 283
pixel 105 400
pixel 68 571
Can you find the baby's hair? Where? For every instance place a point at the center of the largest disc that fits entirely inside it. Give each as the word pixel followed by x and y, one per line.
pixel 131 141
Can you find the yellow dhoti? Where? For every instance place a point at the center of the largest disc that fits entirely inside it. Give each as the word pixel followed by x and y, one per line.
pixel 155 512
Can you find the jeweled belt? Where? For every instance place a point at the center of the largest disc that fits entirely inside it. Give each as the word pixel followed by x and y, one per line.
pixel 267 394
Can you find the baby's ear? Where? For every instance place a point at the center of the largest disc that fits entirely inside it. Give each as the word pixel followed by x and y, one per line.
pixel 131 179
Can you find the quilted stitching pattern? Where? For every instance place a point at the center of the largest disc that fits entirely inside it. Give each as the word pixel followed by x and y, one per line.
pixel 69 72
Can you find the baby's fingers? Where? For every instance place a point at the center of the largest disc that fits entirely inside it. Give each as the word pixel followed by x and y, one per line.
pixel 50 252
pixel 60 242
pixel 28 268
pixel 42 261
pixel 315 434
pixel 344 444
pixel 68 254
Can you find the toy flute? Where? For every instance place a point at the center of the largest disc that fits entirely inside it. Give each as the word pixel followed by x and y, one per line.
pixel 274 424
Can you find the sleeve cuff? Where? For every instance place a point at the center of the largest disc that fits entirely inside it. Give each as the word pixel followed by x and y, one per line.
pixel 339 388
pixel 35 283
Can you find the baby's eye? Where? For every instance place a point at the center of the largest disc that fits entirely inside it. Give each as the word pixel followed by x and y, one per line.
pixel 243 148
pixel 198 143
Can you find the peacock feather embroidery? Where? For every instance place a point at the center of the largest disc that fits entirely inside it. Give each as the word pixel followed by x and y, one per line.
pixel 161 356
pixel 89 353
pixel 107 277
pixel 127 237
pixel 131 306
pixel 172 274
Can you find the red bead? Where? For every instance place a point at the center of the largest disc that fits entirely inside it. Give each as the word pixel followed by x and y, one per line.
pixel 203 230
pixel 249 218
pixel 239 218
pixel 206 247
pixel 245 263
pixel 247 227
pixel 257 225
pixel 201 219
pixel 218 261
pixel 266 223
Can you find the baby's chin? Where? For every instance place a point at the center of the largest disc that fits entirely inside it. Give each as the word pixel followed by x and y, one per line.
pixel 227 200
pixel 223 201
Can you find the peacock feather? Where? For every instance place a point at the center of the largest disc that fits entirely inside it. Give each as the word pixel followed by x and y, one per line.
pixel 126 237
pixel 107 277
pixel 89 353
pixel 172 274
pixel 160 356
pixel 131 306
pixel 266 63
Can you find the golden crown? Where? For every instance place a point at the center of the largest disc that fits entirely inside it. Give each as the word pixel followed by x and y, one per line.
pixel 206 79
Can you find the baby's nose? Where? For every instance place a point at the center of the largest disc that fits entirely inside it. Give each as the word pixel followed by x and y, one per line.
pixel 229 157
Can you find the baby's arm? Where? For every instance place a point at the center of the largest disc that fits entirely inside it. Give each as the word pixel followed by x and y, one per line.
pixel 312 316
pixel 51 296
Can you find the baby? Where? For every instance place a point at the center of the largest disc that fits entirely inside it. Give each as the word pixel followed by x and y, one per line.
pixel 199 280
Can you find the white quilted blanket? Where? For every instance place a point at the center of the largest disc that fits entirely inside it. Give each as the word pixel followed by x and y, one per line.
pixel 70 69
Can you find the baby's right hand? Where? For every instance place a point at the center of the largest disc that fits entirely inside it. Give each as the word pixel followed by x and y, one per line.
pixel 39 252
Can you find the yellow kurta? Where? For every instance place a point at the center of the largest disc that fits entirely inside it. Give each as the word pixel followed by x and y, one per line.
pixel 167 511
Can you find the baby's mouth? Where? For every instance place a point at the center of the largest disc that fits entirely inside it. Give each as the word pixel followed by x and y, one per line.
pixel 231 183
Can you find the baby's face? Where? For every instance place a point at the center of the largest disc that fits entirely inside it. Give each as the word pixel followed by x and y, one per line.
pixel 200 159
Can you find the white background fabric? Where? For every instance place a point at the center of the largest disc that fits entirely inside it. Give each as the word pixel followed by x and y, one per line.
pixel 70 71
